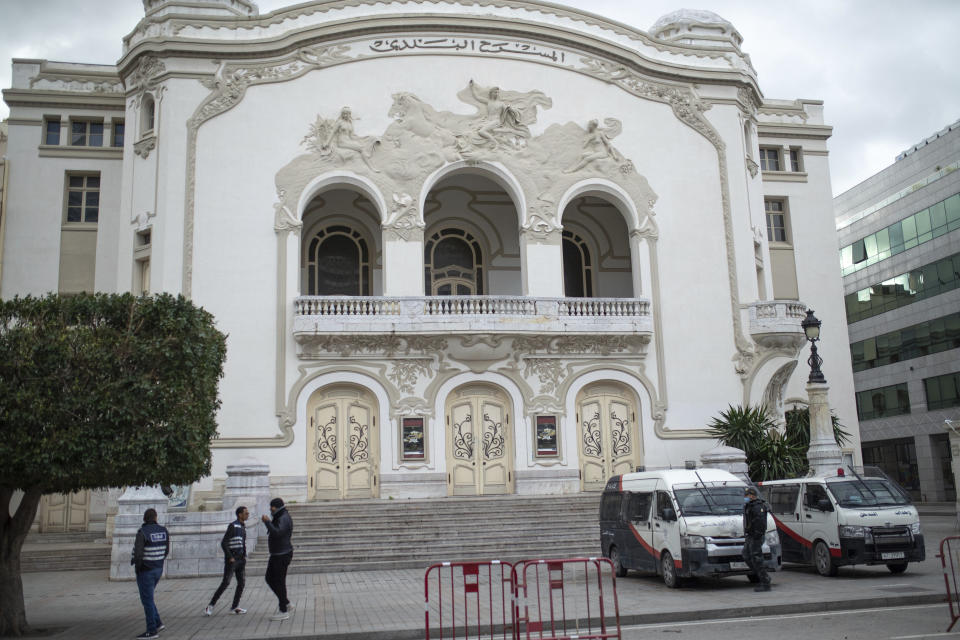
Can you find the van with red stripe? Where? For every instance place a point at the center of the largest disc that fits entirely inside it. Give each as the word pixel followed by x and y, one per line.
pixel 679 523
pixel 845 518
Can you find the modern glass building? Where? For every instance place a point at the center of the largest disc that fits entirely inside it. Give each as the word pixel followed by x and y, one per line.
pixel 899 236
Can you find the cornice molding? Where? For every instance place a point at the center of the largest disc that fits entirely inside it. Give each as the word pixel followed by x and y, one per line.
pixel 64 99
pixel 94 153
pixel 413 25
pixel 784 176
pixel 809 131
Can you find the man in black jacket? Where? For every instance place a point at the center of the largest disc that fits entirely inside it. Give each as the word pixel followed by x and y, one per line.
pixel 150 548
pixel 279 530
pixel 234 545
pixel 754 530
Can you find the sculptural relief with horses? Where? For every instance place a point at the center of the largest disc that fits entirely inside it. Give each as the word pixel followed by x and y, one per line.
pixel 421 140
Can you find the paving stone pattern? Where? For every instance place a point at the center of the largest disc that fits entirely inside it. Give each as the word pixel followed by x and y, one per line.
pixel 389 604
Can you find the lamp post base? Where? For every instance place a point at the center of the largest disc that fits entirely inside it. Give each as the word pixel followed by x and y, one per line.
pixel 824 455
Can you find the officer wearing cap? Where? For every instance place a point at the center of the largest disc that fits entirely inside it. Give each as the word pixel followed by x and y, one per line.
pixel 754 529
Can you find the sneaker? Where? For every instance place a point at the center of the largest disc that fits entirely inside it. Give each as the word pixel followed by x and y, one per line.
pixel 239 611
pixel 279 615
pixel 290 607
pixel 762 587
pixel 208 611
pixel 162 627
pixel 146 635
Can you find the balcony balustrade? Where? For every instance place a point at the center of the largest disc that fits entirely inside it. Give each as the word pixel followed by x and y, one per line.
pixel 325 315
pixel 776 323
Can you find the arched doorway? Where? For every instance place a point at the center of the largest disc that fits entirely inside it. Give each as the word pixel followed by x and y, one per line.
pixel 343 447
pixel 607 433
pixel 479 441
pixel 597 259
pixel 453 264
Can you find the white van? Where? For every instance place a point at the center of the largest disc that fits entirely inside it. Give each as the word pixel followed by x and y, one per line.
pixel 845 518
pixel 679 523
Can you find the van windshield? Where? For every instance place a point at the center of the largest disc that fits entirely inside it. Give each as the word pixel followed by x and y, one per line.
pixel 709 500
pixel 869 492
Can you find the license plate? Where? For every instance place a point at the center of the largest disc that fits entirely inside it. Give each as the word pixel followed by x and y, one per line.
pixel 893 555
pixel 742 565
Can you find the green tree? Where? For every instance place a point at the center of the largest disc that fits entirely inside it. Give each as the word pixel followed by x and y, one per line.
pixel 98 391
pixel 771 454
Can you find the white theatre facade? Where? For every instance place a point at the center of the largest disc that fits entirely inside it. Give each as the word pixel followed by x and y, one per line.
pixel 459 248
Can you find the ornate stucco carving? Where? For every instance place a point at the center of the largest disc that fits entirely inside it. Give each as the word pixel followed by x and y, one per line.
pixel 752 167
pixel 773 394
pixel 547 370
pixel 404 373
pixel 284 220
pixel 62 82
pixel 143 147
pixel 146 75
pixel 403 221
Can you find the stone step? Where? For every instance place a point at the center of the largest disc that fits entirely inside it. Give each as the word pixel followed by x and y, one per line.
pixel 61 537
pixel 76 557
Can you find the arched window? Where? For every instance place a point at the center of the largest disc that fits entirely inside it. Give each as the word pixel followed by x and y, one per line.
pixel 338 263
pixel 147 114
pixel 577 267
pixel 453 264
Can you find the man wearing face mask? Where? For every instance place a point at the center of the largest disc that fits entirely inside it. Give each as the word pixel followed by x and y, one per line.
pixel 754 529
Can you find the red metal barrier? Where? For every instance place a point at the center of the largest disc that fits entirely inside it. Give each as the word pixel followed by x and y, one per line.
pixel 469 597
pixel 950 558
pixel 566 598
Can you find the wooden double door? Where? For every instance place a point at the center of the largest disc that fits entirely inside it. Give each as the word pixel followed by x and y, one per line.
pixel 479 442
pixel 343 450
pixel 607 433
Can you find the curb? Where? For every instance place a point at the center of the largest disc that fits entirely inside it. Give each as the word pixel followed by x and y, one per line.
pixel 665 617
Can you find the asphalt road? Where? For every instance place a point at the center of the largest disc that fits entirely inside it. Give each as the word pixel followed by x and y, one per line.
pixel 891 623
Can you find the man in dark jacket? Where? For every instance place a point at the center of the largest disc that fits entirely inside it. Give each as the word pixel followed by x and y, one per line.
pixel 279 530
pixel 150 548
pixel 754 530
pixel 234 545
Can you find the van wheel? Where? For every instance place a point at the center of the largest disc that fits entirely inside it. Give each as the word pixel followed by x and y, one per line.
pixel 897 567
pixel 822 559
pixel 669 571
pixel 617 565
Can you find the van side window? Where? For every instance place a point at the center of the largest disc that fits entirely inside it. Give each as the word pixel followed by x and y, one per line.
pixel 815 496
pixel 663 503
pixel 782 498
pixel 610 506
pixel 638 507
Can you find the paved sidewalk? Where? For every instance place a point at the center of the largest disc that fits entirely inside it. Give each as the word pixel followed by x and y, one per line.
pixel 388 605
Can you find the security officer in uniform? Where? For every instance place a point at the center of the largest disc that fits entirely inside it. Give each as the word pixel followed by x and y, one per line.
pixel 754 529
pixel 234 545
pixel 150 548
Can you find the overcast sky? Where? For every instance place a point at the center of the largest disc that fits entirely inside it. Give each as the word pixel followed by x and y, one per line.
pixel 888 71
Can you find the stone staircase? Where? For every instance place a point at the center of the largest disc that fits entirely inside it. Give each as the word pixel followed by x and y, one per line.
pixel 367 535
pixel 65 552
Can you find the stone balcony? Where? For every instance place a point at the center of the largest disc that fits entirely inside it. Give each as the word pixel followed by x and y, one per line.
pixel 776 323
pixel 450 315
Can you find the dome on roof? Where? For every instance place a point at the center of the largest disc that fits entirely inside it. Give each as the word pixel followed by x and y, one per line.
pixel 697 27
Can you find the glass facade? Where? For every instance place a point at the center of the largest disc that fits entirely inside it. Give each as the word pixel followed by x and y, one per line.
pixel 914 230
pixel 932 336
pixel 883 402
pixel 898 459
pixel 942 391
pixel 927 281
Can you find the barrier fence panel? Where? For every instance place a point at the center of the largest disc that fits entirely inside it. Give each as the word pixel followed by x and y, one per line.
pixel 950 558
pixel 566 598
pixel 469 600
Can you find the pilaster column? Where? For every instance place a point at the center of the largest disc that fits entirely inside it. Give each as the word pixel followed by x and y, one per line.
pixel 541 262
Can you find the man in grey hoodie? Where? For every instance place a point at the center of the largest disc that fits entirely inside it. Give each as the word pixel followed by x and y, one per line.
pixel 279 531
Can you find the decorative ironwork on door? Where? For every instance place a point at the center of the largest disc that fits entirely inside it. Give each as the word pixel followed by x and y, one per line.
pixel 359 441
pixel 326 445
pixel 592 437
pixel 463 442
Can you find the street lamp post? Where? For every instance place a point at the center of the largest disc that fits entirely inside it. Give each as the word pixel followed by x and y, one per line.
pixel 824 454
